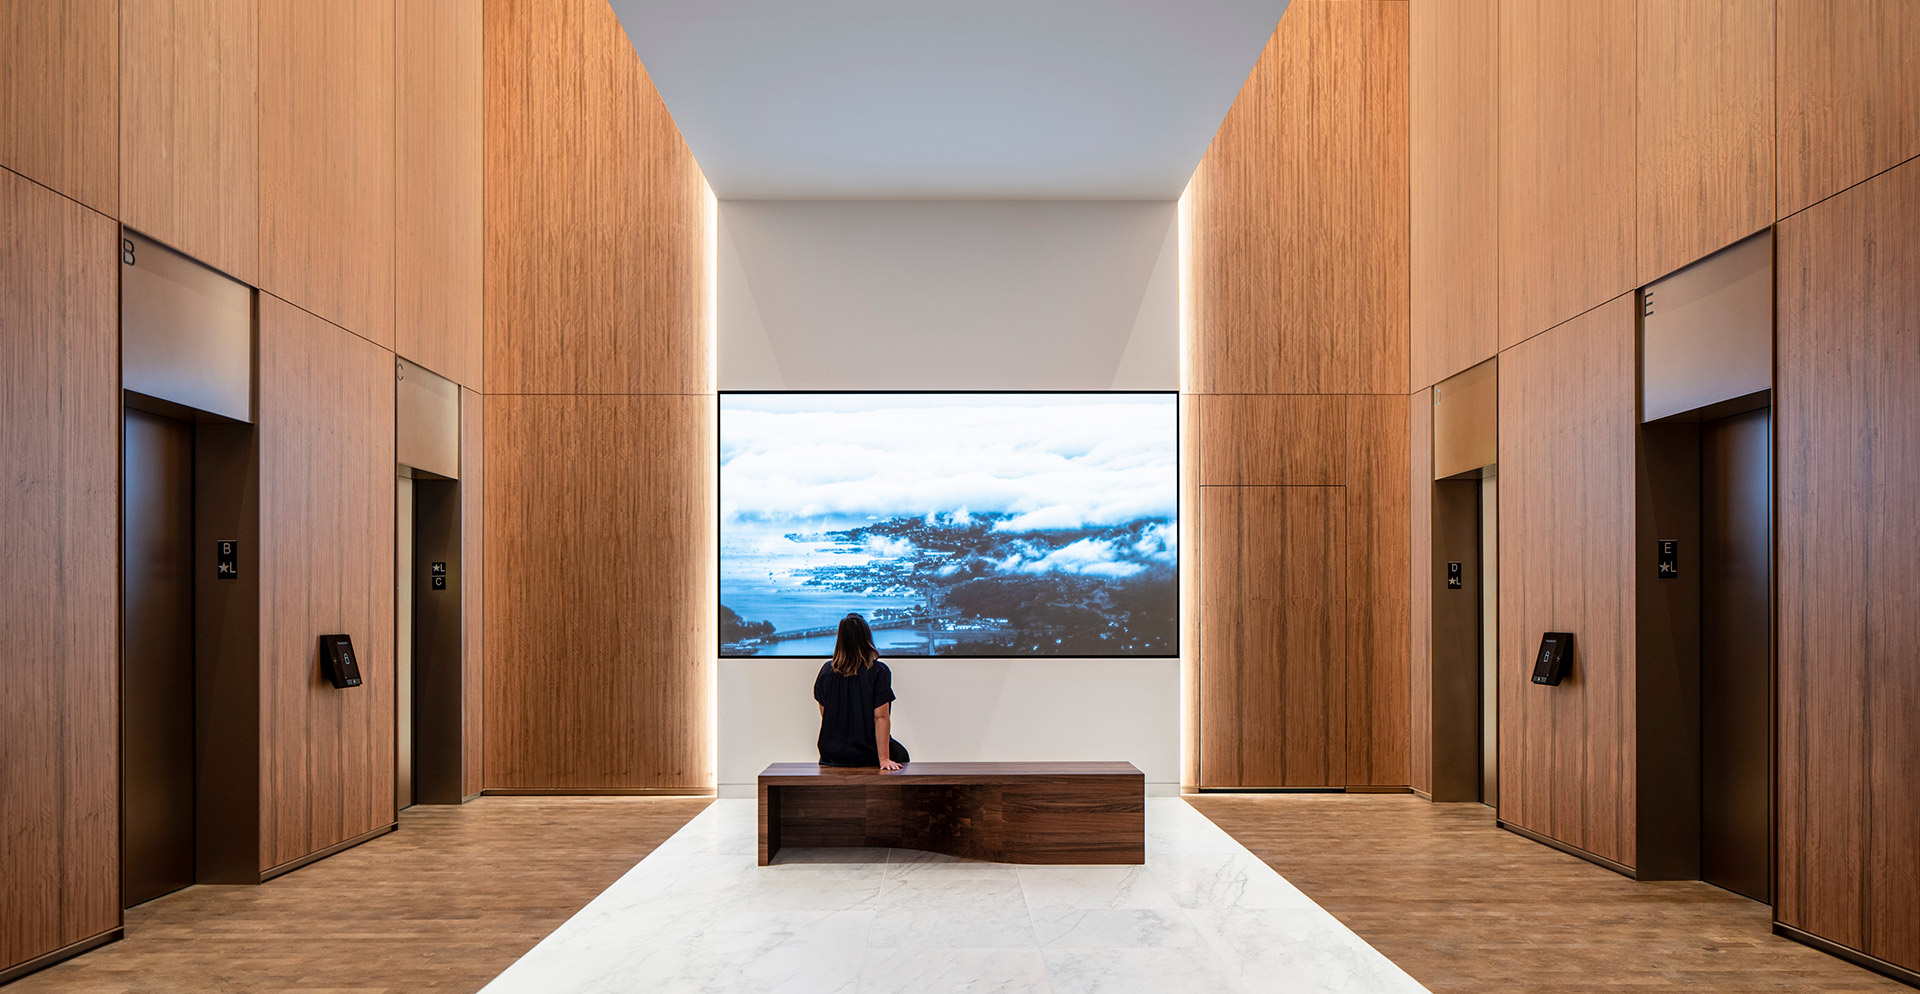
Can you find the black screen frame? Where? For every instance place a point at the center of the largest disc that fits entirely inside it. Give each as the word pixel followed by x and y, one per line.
pixel 1179 499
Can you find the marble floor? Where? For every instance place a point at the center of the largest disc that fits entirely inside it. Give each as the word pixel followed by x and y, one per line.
pixel 698 915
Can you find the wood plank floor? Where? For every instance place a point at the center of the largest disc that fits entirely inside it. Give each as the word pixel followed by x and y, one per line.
pixel 443 904
pixel 1464 906
pixel 459 893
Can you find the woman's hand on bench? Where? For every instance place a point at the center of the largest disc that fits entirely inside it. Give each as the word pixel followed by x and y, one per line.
pixel 888 765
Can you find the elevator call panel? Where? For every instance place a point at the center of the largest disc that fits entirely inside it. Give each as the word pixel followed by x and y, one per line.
pixel 337 659
pixel 1554 659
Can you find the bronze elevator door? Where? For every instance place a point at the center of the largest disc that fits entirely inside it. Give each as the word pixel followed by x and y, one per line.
pixel 156 659
pixel 1736 680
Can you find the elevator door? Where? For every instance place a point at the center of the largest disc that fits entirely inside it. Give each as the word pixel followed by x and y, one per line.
pixel 1736 680
pixel 156 660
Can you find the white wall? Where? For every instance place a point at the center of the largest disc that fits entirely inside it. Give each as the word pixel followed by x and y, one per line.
pixel 962 295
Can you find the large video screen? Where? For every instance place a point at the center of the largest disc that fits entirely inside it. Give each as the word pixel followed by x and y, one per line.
pixel 957 524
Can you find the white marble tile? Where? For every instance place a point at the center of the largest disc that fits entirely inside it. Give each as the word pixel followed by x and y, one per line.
pixel 1134 971
pixel 1114 928
pixel 697 915
pixel 1297 952
pixel 1224 880
pixel 802 858
pixel 934 913
pixel 935 927
pixel 1093 887
pixel 954 971
pixel 918 863
pixel 751 953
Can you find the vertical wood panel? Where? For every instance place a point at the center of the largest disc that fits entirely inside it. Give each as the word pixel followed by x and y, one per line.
pixel 473 575
pixel 437 229
pixel 598 595
pixel 1300 237
pixel 1849 568
pixel 1453 155
pixel 1377 609
pixel 1567 406
pixel 1706 122
pixel 59 99
pixel 1268 439
pixel 1849 90
pixel 326 509
pixel 327 160
pixel 189 134
pixel 1420 587
pixel 594 213
pixel 59 525
pixel 1567 138
pixel 1272 690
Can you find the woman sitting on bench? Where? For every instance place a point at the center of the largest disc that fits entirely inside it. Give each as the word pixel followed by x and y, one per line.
pixel 855 694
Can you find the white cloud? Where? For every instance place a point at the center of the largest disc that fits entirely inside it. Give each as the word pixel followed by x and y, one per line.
pixel 1087 557
pixel 1054 460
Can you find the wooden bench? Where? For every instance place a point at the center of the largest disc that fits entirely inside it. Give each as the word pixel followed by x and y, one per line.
pixel 1004 812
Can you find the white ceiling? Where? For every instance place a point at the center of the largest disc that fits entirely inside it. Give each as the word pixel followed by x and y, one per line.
pixel 936 99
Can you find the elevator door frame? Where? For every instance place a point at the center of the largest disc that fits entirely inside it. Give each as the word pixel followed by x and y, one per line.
pixel 404 793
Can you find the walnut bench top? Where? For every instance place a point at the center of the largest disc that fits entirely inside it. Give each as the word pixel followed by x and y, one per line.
pixel 795 774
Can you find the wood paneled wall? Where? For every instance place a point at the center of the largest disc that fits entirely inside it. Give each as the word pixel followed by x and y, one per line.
pixel 1848 579
pixel 1738 113
pixel 1272 638
pixel 1378 613
pixel 1298 367
pixel 190 136
pixel 473 578
pixel 437 230
pixel 1453 100
pixel 326 521
pixel 599 639
pixel 259 138
pixel 1849 94
pixel 59 599
pixel 1566 161
pixel 1567 420
pixel 594 213
pixel 60 99
pixel 1299 235
pixel 599 416
pixel 1564 154
pixel 327 160
pixel 1634 137
pixel 1706 128
pixel 1420 589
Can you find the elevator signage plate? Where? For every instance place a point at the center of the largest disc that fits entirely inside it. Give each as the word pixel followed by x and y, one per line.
pixel 226 560
pixel 1454 581
pixel 1669 559
pixel 439 571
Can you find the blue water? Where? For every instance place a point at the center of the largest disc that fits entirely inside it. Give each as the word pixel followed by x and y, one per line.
pixel 889 642
pixel 791 607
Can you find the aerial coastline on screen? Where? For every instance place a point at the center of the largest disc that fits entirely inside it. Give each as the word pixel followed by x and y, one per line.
pixel 1003 525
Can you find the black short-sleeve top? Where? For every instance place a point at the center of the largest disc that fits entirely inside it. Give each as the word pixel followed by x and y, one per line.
pixel 846 729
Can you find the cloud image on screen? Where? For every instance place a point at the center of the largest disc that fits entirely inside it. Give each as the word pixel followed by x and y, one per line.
pixel 995 524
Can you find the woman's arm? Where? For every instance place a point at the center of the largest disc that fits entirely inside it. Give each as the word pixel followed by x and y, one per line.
pixel 883 736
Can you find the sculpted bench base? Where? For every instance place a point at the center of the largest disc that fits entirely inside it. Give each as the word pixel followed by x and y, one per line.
pixel 1004 812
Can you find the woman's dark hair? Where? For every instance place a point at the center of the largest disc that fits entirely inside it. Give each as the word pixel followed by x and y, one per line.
pixel 853 649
